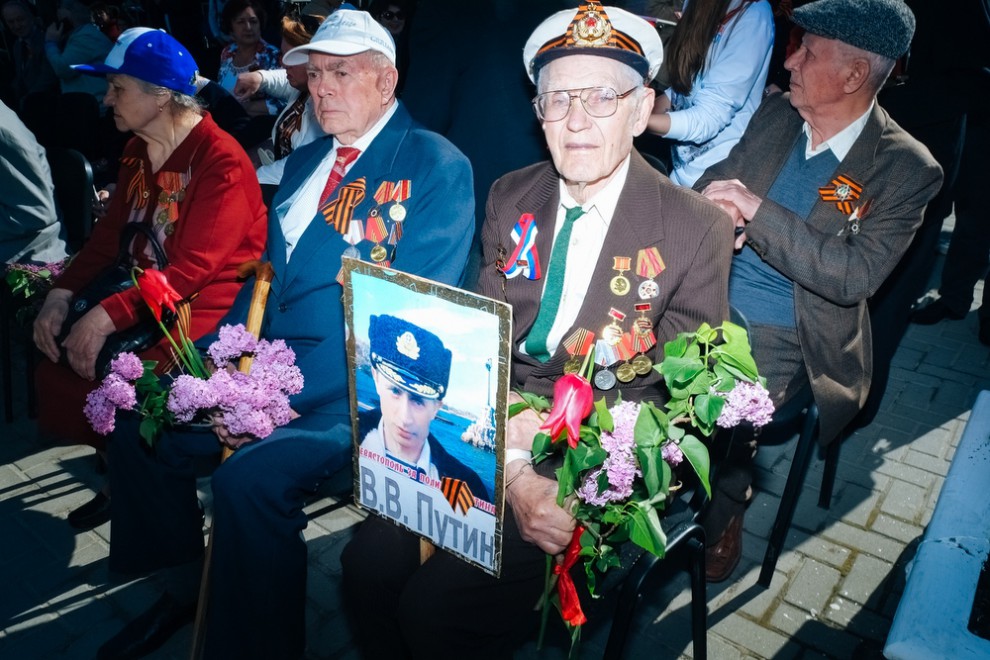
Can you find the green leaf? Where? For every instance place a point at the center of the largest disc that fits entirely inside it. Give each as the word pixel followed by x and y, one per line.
pixel 543 447
pixel 674 348
pixel 708 408
pixel 650 461
pixel 650 425
pixel 605 422
pixel 696 453
pixel 516 408
pixel 646 532
pixel 535 401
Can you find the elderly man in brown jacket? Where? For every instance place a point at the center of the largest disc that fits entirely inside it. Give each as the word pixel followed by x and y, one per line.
pixel 826 191
pixel 582 248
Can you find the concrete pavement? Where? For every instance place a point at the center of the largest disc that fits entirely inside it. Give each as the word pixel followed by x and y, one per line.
pixel 834 593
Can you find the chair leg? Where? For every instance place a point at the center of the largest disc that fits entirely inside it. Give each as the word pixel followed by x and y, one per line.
pixel 792 490
pixel 699 596
pixel 828 474
pixel 629 596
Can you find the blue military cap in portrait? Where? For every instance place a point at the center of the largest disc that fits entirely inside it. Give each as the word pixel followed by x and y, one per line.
pixel 409 356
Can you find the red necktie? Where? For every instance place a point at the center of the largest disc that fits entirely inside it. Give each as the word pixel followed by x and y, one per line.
pixel 345 156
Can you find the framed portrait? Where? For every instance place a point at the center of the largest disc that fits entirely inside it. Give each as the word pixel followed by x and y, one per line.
pixel 429 379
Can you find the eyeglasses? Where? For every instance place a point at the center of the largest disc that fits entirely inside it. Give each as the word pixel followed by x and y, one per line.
pixel 390 15
pixel 596 101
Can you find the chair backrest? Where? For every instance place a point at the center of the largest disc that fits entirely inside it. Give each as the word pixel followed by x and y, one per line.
pixel 74 193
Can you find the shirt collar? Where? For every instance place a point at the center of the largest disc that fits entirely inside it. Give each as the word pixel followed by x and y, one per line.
pixel 841 142
pixel 365 140
pixel 605 201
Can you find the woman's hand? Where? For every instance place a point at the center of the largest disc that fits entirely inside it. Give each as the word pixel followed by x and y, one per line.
pixel 85 339
pixel 248 84
pixel 49 321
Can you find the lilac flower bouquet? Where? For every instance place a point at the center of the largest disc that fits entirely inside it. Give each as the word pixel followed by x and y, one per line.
pixel 619 474
pixel 253 403
pixel 32 282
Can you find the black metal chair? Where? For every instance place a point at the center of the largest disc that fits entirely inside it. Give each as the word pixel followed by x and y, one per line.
pixel 72 176
pixel 685 552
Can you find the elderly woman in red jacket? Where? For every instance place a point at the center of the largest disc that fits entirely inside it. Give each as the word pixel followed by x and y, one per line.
pixel 188 181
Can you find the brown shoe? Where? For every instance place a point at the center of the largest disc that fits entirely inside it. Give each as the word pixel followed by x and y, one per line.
pixel 723 557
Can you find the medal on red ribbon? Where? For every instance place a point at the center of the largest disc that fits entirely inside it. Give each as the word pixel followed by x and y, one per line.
pixel 376 232
pixel 649 264
pixel 612 333
pixel 620 284
pixel 400 193
pixel 577 346
pixel 843 191
pixel 642 337
pixel 524 260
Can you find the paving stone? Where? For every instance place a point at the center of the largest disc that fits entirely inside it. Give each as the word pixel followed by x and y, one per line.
pixel 896 529
pixel 865 541
pixel 933 443
pixel 812 587
pixel 907 473
pixel 757 639
pixel 865 578
pixel 904 500
pixel 861 622
pixel 925 462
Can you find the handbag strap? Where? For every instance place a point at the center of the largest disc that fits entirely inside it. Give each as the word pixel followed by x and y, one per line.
pixel 132 229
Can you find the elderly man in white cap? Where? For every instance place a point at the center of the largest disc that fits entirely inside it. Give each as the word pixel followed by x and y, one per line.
pixel 380 188
pixel 613 242
pixel 827 192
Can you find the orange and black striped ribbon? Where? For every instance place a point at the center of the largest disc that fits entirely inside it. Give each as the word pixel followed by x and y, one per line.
pixel 457 493
pixel 339 212
pixel 842 202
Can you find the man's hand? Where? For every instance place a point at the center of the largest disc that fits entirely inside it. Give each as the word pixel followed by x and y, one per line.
pixel 235 441
pixel 85 339
pixel 49 321
pixel 534 502
pixel 522 428
pixel 735 199
pixel 247 85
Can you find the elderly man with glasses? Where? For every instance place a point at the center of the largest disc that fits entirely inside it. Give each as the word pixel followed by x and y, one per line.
pixel 594 249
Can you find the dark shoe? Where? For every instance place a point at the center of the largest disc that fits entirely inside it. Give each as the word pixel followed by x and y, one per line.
pixel 149 631
pixel 985 331
pixel 91 514
pixel 723 557
pixel 934 312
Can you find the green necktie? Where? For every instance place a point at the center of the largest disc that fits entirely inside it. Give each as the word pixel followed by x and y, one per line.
pixel 536 342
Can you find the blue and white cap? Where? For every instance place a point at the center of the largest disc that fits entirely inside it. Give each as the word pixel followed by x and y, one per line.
pixel 150 55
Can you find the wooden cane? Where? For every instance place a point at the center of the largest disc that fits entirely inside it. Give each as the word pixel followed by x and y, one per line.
pixel 263 273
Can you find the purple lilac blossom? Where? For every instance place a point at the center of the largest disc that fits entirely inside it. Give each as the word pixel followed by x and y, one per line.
pixel 100 412
pixel 118 392
pixel 232 341
pixel 746 402
pixel 620 465
pixel 128 366
pixel 672 454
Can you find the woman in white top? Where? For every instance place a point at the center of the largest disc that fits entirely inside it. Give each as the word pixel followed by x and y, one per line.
pixel 717 61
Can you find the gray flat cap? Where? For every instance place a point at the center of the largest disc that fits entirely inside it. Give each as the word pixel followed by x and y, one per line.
pixel 884 27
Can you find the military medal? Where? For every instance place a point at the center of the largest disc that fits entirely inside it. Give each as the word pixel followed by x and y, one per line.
pixel 399 194
pixel 353 236
pixel 625 373
pixel 612 333
pixel 854 220
pixel 577 346
pixel 376 233
pixel 642 364
pixel 604 380
pixel 605 353
pixel 843 191
pixel 649 264
pixel 619 283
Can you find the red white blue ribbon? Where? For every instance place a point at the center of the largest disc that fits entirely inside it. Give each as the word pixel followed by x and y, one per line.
pixel 524 259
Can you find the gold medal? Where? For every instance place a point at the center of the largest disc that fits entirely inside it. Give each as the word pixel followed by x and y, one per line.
pixel 619 285
pixel 397 212
pixel 163 198
pixel 181 195
pixel 642 364
pixel 162 217
pixel 612 334
pixel 169 228
pixel 378 253
pixel 572 366
pixel 625 372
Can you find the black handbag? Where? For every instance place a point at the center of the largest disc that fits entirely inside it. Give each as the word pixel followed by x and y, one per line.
pixel 116 278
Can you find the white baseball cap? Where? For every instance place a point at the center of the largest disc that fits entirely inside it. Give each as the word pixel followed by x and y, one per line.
pixel 345 32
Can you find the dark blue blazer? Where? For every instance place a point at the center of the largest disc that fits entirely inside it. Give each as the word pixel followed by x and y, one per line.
pixel 304 307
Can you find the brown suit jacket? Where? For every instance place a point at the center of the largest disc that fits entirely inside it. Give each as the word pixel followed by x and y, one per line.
pixel 694 239
pixel 834 274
